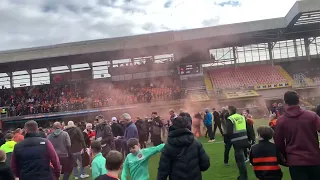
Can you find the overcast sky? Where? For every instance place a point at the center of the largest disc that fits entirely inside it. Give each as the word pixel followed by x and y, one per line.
pixel 31 23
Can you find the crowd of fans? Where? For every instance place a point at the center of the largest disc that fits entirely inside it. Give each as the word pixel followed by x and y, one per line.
pixel 47 155
pixel 77 96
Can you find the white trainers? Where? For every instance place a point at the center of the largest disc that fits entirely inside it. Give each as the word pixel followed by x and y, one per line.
pixel 83 176
pixel 76 178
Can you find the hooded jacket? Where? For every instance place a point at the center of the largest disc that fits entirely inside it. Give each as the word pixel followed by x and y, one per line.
pixel 117 129
pixel 207 119
pixel 61 142
pixel 296 137
pixel 183 157
pixel 106 138
pixel 142 127
pixel 77 139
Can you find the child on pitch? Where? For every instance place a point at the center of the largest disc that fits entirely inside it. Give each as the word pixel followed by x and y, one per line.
pixel 136 163
pixel 114 166
pixel 98 164
pixel 264 156
pixel 5 171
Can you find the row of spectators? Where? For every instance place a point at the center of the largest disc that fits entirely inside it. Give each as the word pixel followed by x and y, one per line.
pixel 77 96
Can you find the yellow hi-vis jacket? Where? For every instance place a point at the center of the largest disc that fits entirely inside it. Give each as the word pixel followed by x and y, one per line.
pixel 239 135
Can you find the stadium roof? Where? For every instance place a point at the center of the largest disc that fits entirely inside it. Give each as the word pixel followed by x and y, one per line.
pixel 303 17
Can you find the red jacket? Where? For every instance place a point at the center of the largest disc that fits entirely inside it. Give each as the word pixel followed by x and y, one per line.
pixel 296 137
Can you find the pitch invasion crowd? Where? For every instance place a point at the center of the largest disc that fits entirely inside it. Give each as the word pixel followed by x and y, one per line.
pixel 113 148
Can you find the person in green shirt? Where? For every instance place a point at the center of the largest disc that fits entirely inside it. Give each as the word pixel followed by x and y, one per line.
pixel 136 163
pixel 98 165
pixel 8 146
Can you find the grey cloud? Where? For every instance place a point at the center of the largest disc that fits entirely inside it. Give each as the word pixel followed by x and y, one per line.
pixel 211 22
pixel 168 4
pixel 232 3
pixel 73 8
pixel 46 22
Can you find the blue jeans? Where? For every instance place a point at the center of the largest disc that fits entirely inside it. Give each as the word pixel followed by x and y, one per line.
pixel 77 158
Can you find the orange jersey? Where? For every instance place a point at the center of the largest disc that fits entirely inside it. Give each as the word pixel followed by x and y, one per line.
pixel 273 123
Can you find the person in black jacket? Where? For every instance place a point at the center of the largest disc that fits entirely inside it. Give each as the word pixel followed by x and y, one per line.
pixel 265 158
pixel 156 129
pixel 217 122
pixel 2 140
pixel 5 171
pixel 183 156
pixel 143 131
pixel 77 145
pixel 104 135
pixel 226 138
pixel 117 130
pixel 116 127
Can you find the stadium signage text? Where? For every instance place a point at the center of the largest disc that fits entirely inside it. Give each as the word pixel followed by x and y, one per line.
pixel 271 86
pixel 241 94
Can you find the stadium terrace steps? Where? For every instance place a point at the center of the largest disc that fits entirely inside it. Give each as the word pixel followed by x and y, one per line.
pixel 246 76
pixel 306 103
pixel 198 96
pixel 285 74
pixel 208 82
pixel 309 81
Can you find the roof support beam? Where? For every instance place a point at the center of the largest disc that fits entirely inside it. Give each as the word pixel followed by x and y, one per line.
pixel 234 51
pixel 11 79
pixel 49 70
pixel 30 76
pixel 307 48
pixel 270 48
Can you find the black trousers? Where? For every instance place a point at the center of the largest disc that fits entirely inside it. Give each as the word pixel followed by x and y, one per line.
pixel 215 126
pixel 142 140
pixel 239 157
pixel 210 133
pixel 304 172
pixel 227 147
pixel 156 139
pixel 246 153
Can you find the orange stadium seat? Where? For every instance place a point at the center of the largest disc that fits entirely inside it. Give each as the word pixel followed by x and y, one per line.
pixel 231 78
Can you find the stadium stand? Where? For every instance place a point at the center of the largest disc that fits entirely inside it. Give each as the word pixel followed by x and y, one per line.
pixel 208 82
pixel 198 95
pixel 303 73
pixel 78 96
pixel 247 76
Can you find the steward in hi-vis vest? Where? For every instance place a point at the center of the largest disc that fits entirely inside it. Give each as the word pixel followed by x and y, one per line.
pixel 239 137
pixel 237 131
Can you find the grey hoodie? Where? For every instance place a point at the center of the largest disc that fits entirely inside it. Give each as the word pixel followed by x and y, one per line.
pixel 60 141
